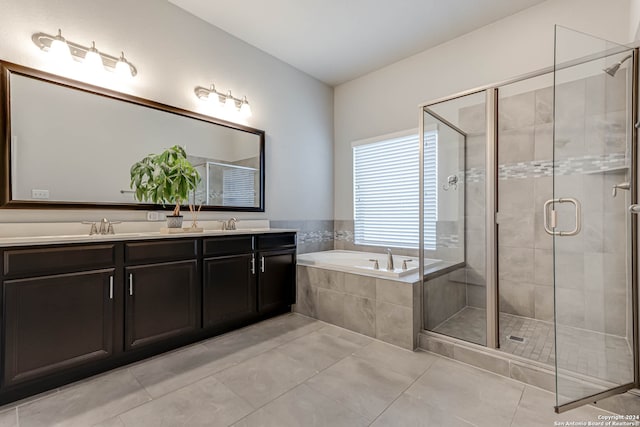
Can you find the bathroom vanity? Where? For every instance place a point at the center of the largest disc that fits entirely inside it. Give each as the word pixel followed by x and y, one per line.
pixel 74 308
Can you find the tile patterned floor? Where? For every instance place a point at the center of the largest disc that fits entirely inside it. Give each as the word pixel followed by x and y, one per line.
pixel 293 371
pixel 588 353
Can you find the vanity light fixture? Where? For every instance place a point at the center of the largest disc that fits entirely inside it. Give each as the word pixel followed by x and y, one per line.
pixel 63 50
pixel 227 100
pixel 92 59
pixel 59 49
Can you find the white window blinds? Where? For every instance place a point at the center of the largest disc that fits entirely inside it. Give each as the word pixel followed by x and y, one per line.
pixel 386 192
pixel 238 186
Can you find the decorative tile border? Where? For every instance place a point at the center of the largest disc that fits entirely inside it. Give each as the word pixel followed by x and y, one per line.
pixel 316 236
pixel 541 168
pixel 343 235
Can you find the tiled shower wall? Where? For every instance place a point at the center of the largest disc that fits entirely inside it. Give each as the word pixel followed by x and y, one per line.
pixel 590 159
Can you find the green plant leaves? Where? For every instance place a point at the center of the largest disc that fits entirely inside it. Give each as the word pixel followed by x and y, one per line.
pixel 165 178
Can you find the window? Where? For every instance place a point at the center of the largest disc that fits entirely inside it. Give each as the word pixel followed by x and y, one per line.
pixel 238 186
pixel 386 191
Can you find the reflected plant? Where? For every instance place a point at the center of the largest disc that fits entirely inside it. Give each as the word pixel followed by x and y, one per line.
pixel 165 178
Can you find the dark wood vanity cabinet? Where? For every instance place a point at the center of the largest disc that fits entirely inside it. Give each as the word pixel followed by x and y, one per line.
pixel 229 290
pixel 277 273
pixel 276 282
pixel 72 310
pixel 161 302
pixel 162 291
pixel 58 309
pixel 229 283
pixel 56 322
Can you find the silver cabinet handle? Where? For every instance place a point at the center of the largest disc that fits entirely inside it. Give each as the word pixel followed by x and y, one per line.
pixel 110 287
pixel 550 221
pixel 634 209
pixel 253 264
pixel 262 264
pixel 130 283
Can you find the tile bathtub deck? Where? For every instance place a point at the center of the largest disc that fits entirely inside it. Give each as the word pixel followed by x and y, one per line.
pixel 293 371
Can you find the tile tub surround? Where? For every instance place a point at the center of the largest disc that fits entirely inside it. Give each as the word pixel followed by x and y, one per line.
pixel 295 371
pixel 379 308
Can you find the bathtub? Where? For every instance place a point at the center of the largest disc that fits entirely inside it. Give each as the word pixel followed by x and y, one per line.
pixel 359 262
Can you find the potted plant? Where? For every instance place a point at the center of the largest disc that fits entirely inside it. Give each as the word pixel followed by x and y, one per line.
pixel 165 178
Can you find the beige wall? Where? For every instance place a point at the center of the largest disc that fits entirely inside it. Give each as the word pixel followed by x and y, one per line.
pixel 174 52
pixel 386 100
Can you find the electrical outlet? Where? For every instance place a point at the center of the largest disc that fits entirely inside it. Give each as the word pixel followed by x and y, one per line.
pixel 153 216
pixel 39 194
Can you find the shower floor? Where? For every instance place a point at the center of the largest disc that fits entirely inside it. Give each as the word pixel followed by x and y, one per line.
pixel 593 354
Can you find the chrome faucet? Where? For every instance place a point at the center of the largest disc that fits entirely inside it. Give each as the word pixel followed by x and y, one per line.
pixel 94 229
pixel 106 227
pixel 389 260
pixel 229 225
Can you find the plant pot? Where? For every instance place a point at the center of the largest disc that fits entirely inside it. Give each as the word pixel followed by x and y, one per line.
pixel 174 221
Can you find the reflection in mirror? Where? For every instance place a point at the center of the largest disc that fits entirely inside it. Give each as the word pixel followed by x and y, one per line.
pixel 70 146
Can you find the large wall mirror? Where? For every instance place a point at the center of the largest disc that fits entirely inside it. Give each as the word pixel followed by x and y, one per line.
pixel 69 144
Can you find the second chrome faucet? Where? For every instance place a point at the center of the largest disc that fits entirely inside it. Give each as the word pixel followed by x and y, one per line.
pixel 389 260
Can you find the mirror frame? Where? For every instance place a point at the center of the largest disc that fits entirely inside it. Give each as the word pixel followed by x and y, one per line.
pixel 6 201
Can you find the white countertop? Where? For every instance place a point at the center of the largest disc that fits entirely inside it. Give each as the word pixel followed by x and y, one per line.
pixel 145 235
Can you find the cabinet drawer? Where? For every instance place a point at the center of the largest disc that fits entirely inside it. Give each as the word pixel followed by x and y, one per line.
pixel 39 261
pixel 272 241
pixel 227 245
pixel 145 252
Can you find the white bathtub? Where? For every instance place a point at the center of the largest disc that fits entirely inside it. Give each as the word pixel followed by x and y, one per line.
pixel 359 262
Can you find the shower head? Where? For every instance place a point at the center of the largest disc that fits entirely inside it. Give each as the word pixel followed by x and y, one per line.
pixel 612 70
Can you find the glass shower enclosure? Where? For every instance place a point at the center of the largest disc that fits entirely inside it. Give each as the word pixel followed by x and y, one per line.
pixel 529 199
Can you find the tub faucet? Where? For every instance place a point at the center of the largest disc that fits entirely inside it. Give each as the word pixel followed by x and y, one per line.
pixel 389 260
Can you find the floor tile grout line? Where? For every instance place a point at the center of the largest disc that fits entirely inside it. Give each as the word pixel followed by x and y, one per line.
pixel 152 398
pixel 317 372
pixel 515 412
pixel 403 392
pixel 288 390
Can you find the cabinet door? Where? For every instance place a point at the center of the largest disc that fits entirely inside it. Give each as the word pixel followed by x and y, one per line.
pixel 277 280
pixel 161 302
pixel 56 322
pixel 229 289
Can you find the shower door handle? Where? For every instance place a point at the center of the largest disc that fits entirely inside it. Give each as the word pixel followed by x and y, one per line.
pixel 550 217
pixel 634 209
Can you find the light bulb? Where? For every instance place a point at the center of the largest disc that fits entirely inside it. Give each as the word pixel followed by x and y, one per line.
pixel 123 69
pixel 230 103
pixel 245 108
pixel 93 60
pixel 59 49
pixel 213 97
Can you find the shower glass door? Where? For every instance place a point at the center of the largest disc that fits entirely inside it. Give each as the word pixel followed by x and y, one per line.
pixel 454 238
pixel 588 220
